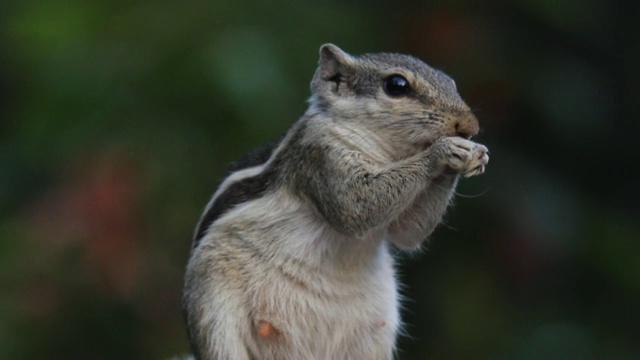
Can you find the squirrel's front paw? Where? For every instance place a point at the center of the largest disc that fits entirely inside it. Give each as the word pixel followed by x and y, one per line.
pixel 461 155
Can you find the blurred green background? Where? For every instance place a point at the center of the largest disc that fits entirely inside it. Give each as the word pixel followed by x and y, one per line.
pixel 118 119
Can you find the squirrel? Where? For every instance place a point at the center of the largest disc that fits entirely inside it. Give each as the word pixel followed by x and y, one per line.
pixel 291 258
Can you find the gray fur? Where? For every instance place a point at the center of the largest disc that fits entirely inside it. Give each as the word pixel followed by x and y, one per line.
pixel 302 243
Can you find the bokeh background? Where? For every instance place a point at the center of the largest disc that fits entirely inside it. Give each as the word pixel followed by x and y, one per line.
pixel 118 118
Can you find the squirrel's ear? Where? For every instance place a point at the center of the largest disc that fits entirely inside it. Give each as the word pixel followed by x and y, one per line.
pixel 333 60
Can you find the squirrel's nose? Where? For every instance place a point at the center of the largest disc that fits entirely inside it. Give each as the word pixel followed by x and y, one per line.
pixel 466 125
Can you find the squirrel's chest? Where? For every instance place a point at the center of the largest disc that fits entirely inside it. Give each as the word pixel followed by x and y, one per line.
pixel 313 314
pixel 305 284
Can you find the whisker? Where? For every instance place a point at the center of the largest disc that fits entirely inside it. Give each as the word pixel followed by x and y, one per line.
pixel 472 196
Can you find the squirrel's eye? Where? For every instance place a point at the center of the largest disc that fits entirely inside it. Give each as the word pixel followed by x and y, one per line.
pixel 396 85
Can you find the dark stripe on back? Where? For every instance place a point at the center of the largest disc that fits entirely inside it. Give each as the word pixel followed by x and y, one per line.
pixel 256 157
pixel 240 191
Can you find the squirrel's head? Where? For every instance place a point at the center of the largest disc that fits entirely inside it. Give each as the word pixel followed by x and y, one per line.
pixel 395 95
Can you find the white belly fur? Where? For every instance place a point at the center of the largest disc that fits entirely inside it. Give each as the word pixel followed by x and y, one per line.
pixel 328 296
